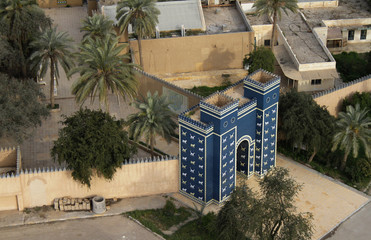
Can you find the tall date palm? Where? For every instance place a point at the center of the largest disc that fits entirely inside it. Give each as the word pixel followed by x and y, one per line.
pixel 154 118
pixel 143 17
pixel 103 68
pixel 273 9
pixel 353 131
pixel 52 49
pixel 97 26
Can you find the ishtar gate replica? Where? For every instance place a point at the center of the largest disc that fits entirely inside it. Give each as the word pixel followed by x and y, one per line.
pixel 229 131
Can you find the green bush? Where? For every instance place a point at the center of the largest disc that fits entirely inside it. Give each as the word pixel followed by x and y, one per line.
pixel 358 169
pixel 363 99
pixel 169 209
pixel 352 66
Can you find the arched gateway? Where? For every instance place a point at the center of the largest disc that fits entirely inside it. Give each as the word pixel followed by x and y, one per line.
pixel 230 130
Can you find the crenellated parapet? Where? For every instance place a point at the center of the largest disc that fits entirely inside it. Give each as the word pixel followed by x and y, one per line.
pixel 243 138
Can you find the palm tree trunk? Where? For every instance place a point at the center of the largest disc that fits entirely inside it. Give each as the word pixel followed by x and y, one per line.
pixel 344 161
pixel 152 147
pixel 312 156
pixel 273 39
pixel 140 50
pixel 23 61
pixel 51 83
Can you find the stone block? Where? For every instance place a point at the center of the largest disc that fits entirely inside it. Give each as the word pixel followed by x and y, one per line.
pixel 61 207
pixel 68 201
pixel 72 201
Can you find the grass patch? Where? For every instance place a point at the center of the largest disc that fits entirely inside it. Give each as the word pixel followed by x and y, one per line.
pixel 205 91
pixel 159 220
pixel 199 229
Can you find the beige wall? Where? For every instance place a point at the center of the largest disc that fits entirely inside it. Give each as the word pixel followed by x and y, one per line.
pixel 318 4
pixel 131 180
pixel 54 3
pixel 8 157
pixel 262 32
pixel 194 53
pixel 334 99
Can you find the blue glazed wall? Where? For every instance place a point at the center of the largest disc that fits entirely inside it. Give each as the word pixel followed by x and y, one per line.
pixel 242 138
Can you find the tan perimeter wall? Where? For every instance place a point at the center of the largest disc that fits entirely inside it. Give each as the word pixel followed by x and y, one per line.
pixel 151 83
pixel 194 53
pixel 37 188
pixel 58 3
pixel 333 98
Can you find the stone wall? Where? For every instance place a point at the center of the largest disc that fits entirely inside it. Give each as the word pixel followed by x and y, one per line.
pixel 334 97
pixel 194 53
pixel 139 177
pixel 59 3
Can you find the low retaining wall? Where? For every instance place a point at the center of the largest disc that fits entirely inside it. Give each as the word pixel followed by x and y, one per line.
pixel 136 177
pixel 334 97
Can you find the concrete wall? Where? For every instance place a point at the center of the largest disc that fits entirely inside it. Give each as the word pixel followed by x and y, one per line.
pixel 318 4
pixel 140 178
pixel 59 3
pixel 321 33
pixel 152 83
pixel 262 32
pixel 194 53
pixel 334 97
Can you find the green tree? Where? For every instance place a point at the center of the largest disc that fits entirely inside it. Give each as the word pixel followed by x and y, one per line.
pixel 142 15
pixel 261 57
pixel 267 217
pixel 154 118
pixel 363 99
pixel 97 26
pixel 351 66
pixel 21 21
pixel 103 68
pixel 353 130
pixel 273 9
pixel 303 123
pixel 20 107
pixel 52 49
pixel 92 142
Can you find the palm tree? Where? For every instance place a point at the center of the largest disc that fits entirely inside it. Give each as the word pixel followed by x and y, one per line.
pixel 51 49
pixel 143 17
pixel 97 26
pixel 154 118
pixel 353 131
pixel 103 68
pixel 273 8
pixel 14 13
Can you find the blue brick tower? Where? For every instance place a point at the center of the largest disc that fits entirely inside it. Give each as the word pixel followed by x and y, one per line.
pixel 228 131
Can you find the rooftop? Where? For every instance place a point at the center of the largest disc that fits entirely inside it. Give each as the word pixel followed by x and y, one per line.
pixel 223 19
pixel 301 39
pixel 173 14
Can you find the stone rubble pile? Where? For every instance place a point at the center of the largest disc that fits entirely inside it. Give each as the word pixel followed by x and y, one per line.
pixel 72 204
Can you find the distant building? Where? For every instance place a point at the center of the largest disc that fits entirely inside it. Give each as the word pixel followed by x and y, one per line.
pixel 229 131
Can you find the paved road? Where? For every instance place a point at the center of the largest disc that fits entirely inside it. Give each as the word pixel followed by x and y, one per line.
pixel 105 228
pixel 357 227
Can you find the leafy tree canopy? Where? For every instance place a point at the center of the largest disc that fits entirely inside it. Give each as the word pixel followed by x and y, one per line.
pixel 363 99
pixel 352 66
pixel 21 21
pixel 92 141
pixel 20 107
pixel 261 57
pixel 303 123
pixel 270 216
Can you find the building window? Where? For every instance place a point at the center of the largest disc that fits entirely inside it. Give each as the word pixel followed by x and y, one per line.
pixel 268 99
pixel 233 120
pixel 274 95
pixel 316 82
pixel 225 124
pixel 267 43
pixel 351 35
pixel 363 34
